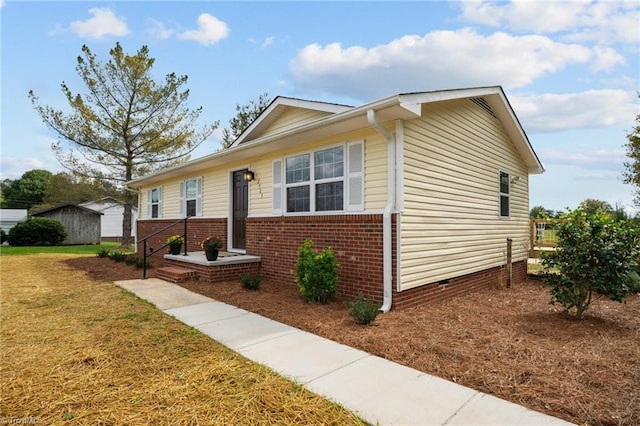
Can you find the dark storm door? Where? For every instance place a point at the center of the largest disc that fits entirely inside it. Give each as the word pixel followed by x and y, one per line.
pixel 240 209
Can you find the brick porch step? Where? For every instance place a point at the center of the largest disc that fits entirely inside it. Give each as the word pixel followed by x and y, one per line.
pixel 175 274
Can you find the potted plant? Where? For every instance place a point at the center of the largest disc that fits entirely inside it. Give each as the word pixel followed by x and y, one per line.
pixel 211 246
pixel 175 243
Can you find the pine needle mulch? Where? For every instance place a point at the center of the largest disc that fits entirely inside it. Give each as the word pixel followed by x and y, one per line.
pixel 510 343
pixel 76 350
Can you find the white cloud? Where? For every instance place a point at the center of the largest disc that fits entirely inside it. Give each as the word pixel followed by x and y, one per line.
pixel 578 20
pixel 13 168
pixel 159 31
pixel 440 59
pixel 590 109
pixel 267 41
pixel 606 59
pixel 210 30
pixel 103 23
pixel 592 160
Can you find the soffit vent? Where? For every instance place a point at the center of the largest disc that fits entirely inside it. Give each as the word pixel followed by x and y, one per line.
pixel 482 103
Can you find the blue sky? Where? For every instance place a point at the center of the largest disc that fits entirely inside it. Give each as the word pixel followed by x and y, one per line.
pixel 570 69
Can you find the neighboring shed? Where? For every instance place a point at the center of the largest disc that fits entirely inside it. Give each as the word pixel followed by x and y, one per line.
pixel 113 215
pixel 82 224
pixel 10 217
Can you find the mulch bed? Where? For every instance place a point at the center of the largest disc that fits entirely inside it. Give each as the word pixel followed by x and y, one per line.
pixel 510 343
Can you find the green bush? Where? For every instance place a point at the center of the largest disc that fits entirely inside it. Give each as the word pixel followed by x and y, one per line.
pixel 103 252
pixel 250 281
pixel 136 261
pixel 596 254
pixel 316 274
pixel 37 231
pixel 3 236
pixel 118 256
pixel 364 310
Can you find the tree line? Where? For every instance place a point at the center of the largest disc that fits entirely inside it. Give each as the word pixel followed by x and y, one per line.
pixel 589 206
pixel 38 189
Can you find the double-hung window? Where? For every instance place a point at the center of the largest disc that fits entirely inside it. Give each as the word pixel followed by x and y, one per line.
pixel 329 179
pixel 154 203
pixel 320 181
pixel 298 183
pixel 505 194
pixel 191 197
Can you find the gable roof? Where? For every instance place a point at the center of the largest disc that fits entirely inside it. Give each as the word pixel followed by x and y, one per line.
pixel 277 107
pixel 109 200
pixel 401 106
pixel 38 213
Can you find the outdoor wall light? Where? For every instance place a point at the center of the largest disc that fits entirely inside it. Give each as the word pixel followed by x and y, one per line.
pixel 515 179
pixel 249 176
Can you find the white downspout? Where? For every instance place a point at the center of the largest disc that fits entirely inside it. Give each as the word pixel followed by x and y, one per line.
pixel 387 255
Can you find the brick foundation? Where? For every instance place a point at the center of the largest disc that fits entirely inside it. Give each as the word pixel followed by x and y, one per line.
pixel 435 292
pixel 355 239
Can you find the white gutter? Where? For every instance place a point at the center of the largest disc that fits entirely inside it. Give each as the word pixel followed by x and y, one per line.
pixel 387 255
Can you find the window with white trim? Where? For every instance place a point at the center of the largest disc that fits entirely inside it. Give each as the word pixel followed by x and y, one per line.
pixel 154 203
pixel 505 194
pixel 320 181
pixel 191 197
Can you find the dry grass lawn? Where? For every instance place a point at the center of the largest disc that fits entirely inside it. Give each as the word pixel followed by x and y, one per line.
pixel 82 351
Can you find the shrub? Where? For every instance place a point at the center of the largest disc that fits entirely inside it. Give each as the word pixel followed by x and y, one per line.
pixel 117 256
pixel 364 310
pixel 250 281
pixel 37 231
pixel 316 274
pixel 103 253
pixel 137 261
pixel 3 236
pixel 596 254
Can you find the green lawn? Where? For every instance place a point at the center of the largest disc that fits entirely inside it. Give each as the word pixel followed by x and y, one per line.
pixel 80 249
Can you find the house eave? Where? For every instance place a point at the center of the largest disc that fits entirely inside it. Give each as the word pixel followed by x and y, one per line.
pixel 387 109
pixel 344 119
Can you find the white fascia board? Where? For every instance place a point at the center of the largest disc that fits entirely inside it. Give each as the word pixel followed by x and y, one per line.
pixel 510 121
pixel 275 109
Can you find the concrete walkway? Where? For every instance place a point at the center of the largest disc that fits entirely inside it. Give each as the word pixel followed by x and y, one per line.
pixel 378 390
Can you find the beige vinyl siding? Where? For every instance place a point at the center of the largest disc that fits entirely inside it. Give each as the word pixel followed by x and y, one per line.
pixel 215 192
pixel 171 199
pixel 215 183
pixel 260 189
pixel 375 183
pixel 375 170
pixel 450 225
pixel 291 118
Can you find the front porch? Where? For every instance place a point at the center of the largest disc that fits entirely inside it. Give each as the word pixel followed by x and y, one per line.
pixel 228 267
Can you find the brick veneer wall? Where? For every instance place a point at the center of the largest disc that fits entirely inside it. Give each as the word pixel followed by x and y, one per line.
pixel 197 230
pixel 355 239
pixel 218 273
pixel 435 292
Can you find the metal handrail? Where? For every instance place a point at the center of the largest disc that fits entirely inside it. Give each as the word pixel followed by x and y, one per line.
pixel 152 251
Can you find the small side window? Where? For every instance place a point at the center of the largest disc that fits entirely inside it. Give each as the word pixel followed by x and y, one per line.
pixel 154 203
pixel 505 194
